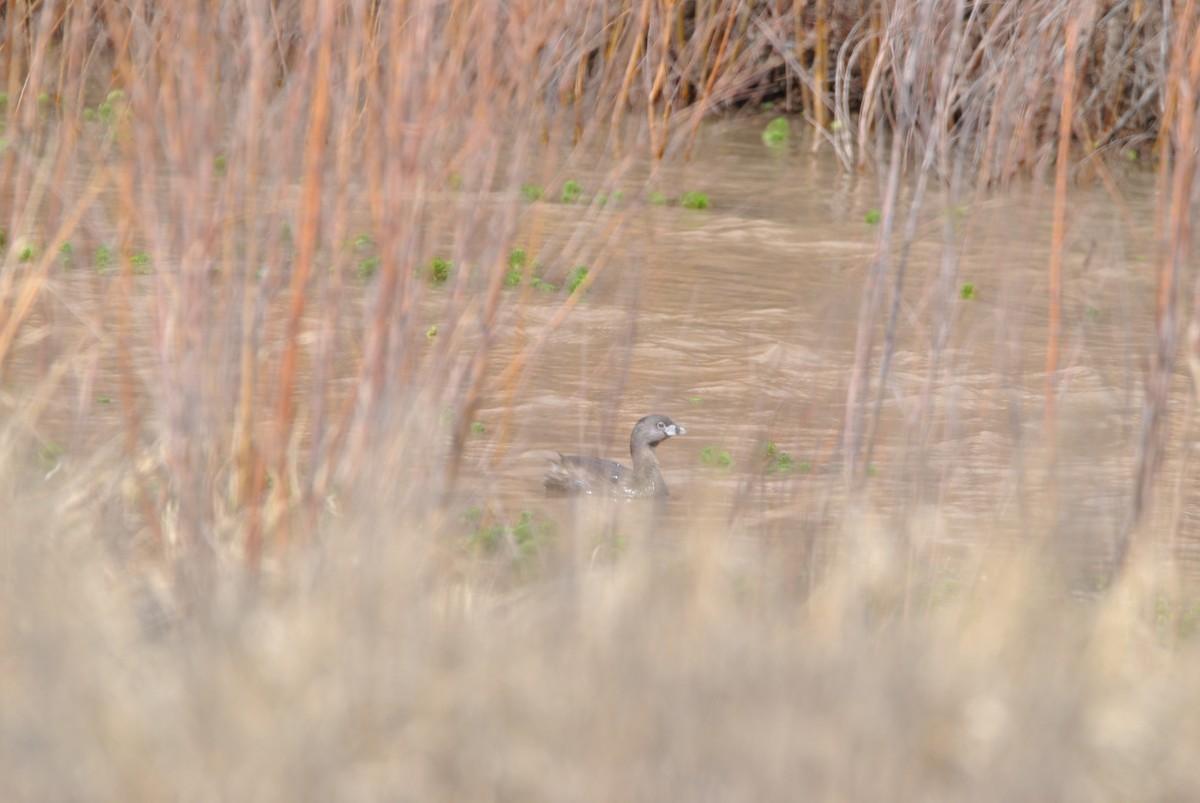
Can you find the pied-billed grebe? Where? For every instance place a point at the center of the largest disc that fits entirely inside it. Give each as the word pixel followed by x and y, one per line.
pixel 576 474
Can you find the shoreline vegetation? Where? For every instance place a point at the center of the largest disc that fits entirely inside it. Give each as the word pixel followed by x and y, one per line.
pixel 232 441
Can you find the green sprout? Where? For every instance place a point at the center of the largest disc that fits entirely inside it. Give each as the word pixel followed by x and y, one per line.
pixel 872 217
pixel 712 457
pixel 539 283
pixel 51 454
pixel 524 536
pixel 576 277
pixel 431 332
pixel 368 267
pixel 517 259
pixel 26 254
pixel 103 259
pixel 695 399
pixel 776 459
pixel 693 200
pixel 439 270
pixel 571 192
pixel 776 133
pixel 104 400
pixel 967 291
pixel 141 264
pixel 477 428
pixel 108 110
pixel 657 198
pixel 532 192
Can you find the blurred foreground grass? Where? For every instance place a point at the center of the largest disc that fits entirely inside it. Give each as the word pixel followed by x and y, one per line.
pixel 388 665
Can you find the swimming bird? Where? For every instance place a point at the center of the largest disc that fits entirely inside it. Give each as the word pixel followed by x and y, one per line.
pixel 580 474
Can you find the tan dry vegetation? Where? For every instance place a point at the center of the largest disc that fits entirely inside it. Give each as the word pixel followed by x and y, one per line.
pixel 233 564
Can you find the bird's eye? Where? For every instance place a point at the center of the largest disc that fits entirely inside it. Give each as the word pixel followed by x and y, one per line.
pixel 662 425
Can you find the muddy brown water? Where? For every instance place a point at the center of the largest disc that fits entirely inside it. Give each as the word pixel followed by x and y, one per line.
pixel 740 322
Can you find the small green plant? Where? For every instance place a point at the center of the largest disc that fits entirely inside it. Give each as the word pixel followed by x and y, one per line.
pixel 776 133
pixel 539 283
pixel 368 267
pixel 103 259
pixel 103 400
pixel 517 260
pixel 456 181
pixel 26 254
pixel 656 198
pixel 431 332
pixel 778 461
pixel 363 241
pixel 110 108
pixel 693 200
pixel 713 457
pixel 521 538
pixel 219 164
pixel 141 264
pixel 51 454
pixel 439 270
pixel 532 192
pixel 477 428
pixel 576 277
pixel 1092 313
pixel 695 399
pixel 572 191
pixel 967 291
pixel 767 105
pixel 66 253
pixel 872 217
pixel 89 114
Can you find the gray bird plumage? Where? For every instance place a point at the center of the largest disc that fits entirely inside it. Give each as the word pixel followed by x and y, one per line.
pixel 579 474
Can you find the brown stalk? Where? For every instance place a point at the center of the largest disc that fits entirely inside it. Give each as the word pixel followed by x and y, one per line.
pixel 1177 182
pixel 704 102
pixel 309 223
pixel 1058 216
pixel 635 54
pixel 820 68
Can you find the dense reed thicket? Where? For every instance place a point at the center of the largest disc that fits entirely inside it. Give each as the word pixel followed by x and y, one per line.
pixel 227 461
